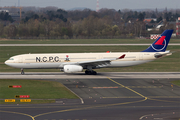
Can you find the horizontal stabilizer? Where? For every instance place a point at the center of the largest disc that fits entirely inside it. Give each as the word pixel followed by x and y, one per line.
pixel 158 55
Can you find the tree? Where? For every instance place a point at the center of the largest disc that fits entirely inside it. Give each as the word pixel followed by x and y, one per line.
pixel 35 16
pixel 23 31
pixel 159 19
pixel 6 17
pixel 153 16
pixel 152 21
pixel 135 14
pixel 119 11
pixel 11 31
pixel 141 17
pixel 61 11
pixel 115 30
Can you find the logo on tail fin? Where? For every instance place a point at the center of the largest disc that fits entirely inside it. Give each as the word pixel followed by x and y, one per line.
pixel 160 44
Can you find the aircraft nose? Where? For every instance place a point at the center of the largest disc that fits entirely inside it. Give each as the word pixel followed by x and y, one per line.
pixel 6 62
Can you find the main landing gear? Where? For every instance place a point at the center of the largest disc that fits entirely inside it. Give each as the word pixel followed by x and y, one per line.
pixel 89 71
pixel 22 72
pixel 92 72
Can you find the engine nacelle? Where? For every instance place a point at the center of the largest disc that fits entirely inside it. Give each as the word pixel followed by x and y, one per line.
pixel 73 68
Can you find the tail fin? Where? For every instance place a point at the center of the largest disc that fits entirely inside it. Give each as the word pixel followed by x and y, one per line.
pixel 161 43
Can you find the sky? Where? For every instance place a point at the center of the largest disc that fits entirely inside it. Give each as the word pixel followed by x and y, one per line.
pixel 111 4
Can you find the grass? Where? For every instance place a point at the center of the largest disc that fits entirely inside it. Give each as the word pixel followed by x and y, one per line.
pixel 37 89
pixel 167 64
pixel 80 41
pixel 176 82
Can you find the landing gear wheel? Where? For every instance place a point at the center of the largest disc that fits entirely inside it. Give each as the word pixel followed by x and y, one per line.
pixel 87 72
pixel 94 73
pixel 22 72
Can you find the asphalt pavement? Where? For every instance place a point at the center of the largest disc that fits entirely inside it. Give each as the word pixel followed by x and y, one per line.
pixel 173 44
pixel 105 98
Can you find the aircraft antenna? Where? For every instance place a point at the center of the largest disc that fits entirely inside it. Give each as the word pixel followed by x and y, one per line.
pixel 18 3
pixel 97 6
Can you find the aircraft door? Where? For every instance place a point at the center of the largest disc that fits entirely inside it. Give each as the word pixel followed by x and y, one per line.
pixel 140 56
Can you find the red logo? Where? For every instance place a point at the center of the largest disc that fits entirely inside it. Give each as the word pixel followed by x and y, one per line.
pixel 160 41
pixel 160 44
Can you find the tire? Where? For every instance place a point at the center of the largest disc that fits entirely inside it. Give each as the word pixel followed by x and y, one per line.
pixel 94 73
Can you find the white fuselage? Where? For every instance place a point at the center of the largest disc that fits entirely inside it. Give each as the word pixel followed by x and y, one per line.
pixel 58 60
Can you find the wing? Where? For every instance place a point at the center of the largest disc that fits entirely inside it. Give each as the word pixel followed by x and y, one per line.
pixel 99 62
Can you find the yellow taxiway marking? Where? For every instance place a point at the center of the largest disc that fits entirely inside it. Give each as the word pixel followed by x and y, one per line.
pixel 139 93
pixel 125 97
pixel 106 105
pixel 90 107
pixel 164 100
pixel 96 106
pixel 18 113
pixel 127 88
pixel 146 96
pixel 109 87
pixel 87 107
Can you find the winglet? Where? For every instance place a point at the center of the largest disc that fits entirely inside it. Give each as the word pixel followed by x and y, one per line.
pixel 122 56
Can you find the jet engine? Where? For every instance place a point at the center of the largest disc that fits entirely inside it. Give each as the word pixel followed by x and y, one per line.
pixel 73 68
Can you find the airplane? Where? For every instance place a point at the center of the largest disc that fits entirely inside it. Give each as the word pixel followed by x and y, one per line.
pixel 76 62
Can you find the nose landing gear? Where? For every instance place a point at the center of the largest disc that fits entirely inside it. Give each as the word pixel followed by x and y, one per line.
pixel 22 71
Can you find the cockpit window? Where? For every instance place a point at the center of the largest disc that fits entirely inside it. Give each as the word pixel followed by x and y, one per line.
pixel 11 58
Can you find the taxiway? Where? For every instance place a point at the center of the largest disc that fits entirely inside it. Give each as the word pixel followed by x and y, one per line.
pixel 107 96
pixel 61 75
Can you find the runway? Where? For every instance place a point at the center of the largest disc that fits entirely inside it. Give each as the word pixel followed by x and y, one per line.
pixel 61 75
pixel 171 44
pixel 105 97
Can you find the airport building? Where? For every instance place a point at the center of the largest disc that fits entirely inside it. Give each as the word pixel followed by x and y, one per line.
pixel 4 11
pixel 178 26
pixel 14 12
